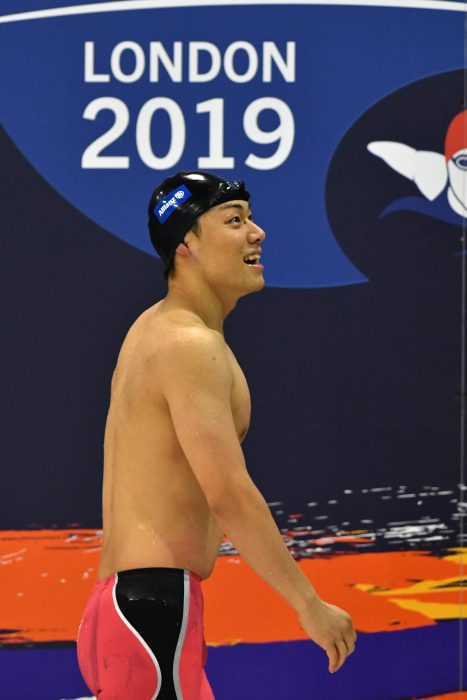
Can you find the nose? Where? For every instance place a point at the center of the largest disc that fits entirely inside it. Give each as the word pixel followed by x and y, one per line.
pixel 256 233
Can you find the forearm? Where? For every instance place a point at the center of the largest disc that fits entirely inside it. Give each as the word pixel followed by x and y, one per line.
pixel 247 521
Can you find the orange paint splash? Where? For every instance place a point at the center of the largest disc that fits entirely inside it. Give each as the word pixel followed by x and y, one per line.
pixel 461 695
pixel 46 577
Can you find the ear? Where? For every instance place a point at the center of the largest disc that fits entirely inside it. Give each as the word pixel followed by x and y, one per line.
pixel 182 249
pixel 189 238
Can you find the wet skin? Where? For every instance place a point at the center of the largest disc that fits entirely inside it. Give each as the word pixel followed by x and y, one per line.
pixel 155 512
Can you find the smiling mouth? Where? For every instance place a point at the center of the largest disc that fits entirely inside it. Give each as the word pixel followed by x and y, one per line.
pixel 252 261
pixel 255 265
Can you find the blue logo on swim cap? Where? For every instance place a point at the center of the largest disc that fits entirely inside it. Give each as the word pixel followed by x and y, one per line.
pixel 169 204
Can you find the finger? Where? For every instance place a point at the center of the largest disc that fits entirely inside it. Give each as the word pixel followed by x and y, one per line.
pixel 333 656
pixel 339 655
pixel 343 652
pixel 350 638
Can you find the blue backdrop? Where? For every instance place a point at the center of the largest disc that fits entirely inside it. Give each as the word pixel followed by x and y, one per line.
pixel 352 352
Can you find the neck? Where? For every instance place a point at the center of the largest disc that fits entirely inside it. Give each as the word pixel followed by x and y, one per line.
pixel 196 296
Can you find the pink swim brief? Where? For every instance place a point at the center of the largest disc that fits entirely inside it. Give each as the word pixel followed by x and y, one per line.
pixel 141 637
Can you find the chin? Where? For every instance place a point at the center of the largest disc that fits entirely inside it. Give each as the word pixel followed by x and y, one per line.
pixel 256 286
pixel 261 284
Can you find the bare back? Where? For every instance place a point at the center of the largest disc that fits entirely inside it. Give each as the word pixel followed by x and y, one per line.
pixel 154 510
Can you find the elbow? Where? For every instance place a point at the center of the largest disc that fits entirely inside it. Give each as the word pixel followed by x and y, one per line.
pixel 232 500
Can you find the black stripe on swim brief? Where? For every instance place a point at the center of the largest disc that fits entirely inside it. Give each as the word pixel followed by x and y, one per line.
pixel 152 602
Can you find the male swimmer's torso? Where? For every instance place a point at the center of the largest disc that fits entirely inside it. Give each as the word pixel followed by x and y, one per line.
pixel 154 510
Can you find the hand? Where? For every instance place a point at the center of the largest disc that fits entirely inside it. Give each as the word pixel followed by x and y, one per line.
pixel 331 628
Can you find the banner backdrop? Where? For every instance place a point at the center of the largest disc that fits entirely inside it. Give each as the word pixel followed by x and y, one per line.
pixel 348 124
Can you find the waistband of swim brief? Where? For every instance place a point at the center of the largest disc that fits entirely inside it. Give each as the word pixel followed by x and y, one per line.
pixel 148 570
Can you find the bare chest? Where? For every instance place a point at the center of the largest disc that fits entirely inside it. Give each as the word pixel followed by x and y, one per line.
pixel 239 398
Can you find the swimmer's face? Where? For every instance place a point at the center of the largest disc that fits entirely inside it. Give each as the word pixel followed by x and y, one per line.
pixel 228 237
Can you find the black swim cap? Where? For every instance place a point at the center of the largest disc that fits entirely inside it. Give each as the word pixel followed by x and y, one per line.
pixel 180 200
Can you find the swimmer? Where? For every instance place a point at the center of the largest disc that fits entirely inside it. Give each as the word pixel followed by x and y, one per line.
pixel 175 479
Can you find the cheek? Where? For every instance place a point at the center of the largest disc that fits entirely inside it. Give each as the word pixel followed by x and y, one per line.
pixel 458 181
pixel 226 254
pixel 219 263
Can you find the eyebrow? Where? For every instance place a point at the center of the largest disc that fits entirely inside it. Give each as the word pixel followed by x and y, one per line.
pixel 228 205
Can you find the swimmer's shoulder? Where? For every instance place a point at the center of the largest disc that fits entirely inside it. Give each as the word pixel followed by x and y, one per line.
pixel 186 332
pixel 169 334
pixel 169 347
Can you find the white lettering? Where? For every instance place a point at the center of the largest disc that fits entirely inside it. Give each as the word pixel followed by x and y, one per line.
pixel 173 66
pixel 165 206
pixel 286 66
pixel 143 133
pixel 194 74
pixel 194 62
pixel 229 68
pixel 216 158
pixel 89 75
pixel 115 61
pixel 283 135
pixel 92 157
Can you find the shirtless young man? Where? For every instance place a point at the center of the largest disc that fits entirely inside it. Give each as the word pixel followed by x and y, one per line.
pixel 175 478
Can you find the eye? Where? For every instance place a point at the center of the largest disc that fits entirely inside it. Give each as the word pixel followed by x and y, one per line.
pixel 461 161
pixel 235 220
